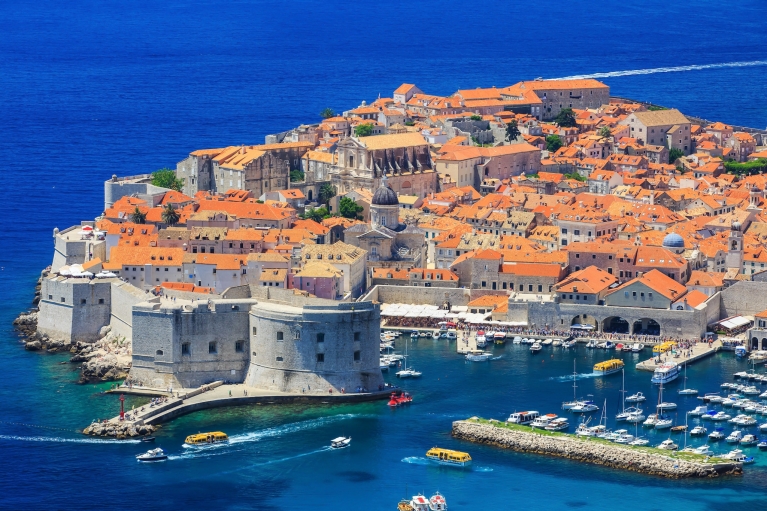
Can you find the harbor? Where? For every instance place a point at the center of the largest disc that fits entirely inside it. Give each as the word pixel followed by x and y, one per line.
pixel 697 352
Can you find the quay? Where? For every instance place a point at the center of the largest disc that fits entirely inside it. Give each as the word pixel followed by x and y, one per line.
pixel 699 351
pixel 645 460
pixel 214 395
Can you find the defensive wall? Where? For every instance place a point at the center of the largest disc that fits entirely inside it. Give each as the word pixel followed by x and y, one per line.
pixel 139 186
pixel 74 309
pixel 744 298
pixel 124 297
pixel 68 248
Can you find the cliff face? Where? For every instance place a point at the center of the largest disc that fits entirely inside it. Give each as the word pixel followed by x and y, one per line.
pixel 590 451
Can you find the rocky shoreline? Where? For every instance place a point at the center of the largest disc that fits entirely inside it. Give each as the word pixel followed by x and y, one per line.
pixel 107 359
pixel 587 451
pixel 119 431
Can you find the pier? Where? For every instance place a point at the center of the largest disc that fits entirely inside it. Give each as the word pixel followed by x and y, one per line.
pixel 697 352
pixel 214 395
pixel 645 460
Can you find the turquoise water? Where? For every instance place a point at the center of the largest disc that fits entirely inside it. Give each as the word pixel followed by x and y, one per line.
pixel 88 90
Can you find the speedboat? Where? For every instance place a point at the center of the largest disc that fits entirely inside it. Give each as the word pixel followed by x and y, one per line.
pixel 666 406
pixel 740 374
pixel 651 420
pixel 153 455
pixel 535 348
pixel 408 373
pixel 716 435
pixel 626 348
pixel 398 399
pixel 637 347
pixel 698 431
pixel 516 340
pixel 547 342
pixel 748 440
pixel 478 356
pixel 639 442
pixel 663 423
pixel 591 344
pixel 584 407
pixel 340 442
pixel 435 334
pixel 625 414
pixel 636 398
pixel 734 437
pixel 557 424
pixel 635 417
pixel 668 445
pixel 557 342
pixel 148 439
pixel 624 438
pixel 762 445
pixel 720 416
pixel 698 411
pixel 763 427
pixel 738 456
pixel 751 391
pixel 687 392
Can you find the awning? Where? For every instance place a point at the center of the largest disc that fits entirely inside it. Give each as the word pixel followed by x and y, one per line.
pixel 734 322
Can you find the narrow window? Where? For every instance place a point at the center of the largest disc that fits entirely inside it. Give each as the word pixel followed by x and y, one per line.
pixel 83 301
pixel 158 353
pixel 254 330
pixel 320 337
pixel 356 336
pixel 279 359
pixel 238 346
pixel 320 357
pixel 101 301
pixel 356 356
pixel 212 347
pixel 279 336
pixel 185 348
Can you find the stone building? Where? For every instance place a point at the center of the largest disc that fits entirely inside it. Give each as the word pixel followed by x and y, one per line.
pixel 556 95
pixel 669 128
pixel 74 309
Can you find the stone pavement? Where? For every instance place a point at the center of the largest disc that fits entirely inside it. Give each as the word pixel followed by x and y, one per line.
pixel 698 351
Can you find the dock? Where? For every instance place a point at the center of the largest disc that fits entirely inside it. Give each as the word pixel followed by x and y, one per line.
pixel 698 352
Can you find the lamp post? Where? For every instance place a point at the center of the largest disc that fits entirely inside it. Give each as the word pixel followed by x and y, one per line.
pixel 122 407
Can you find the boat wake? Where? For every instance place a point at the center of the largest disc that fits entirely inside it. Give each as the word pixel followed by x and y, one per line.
pixel 569 378
pixel 482 469
pixel 499 357
pixel 418 460
pixel 674 69
pixel 67 440
pixel 198 454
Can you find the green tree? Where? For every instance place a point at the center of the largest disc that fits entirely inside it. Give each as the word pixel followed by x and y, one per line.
pixel 348 208
pixel 575 176
pixel 138 217
pixel 476 117
pixel 169 215
pixel 512 131
pixel 327 113
pixel 565 118
pixel 363 130
pixel 553 142
pixel 604 132
pixel 655 108
pixel 317 214
pixel 674 154
pixel 296 176
pixel 327 192
pixel 409 123
pixel 166 178
pixel 749 167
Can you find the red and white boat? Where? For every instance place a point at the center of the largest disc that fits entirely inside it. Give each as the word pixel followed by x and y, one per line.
pixel 401 398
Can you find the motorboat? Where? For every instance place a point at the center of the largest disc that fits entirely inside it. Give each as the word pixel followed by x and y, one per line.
pixel 451 334
pixel 610 435
pixel 679 429
pixel 720 416
pixel 738 456
pixel 543 421
pixel 626 349
pixel 668 445
pixel 698 411
pixel 758 355
pixel 740 374
pixel 740 351
pixel 516 340
pixel 152 455
pixel 414 334
pixel 666 372
pixel 763 427
pixel 591 344
pixel 478 356
pixel 687 392
pixel 340 442
pixel 734 437
pixel 637 347
pixel 748 440
pixel 743 420
pixel 751 391
pixel 635 417
pixel 408 373
pixel 666 406
pixel 704 450
pixel 728 402
pixel 716 436
pixel 523 418
pixel 762 445
pixel 435 334
pixel 569 344
pixel 147 439
pixel 663 423
pixel 711 398
pixel 698 431
pixel 636 398
pixel 384 364
pixel 423 334
pixel 624 438
pixel 584 407
pixel 651 420
pixel 628 412
pixel 639 442
pixel 557 342
pixel 535 348
pixel 557 424
pixel 399 398
pixel 547 342
pixel 608 367
pixel 448 457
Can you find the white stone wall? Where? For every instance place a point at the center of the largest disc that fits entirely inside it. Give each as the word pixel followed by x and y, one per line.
pixel 74 309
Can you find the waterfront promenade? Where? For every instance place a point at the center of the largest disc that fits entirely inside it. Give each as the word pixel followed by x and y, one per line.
pixel 697 352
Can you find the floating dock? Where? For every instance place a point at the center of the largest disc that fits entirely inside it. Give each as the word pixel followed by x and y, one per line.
pixel 698 352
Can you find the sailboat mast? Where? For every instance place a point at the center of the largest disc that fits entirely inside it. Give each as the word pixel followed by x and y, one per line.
pixel 575 373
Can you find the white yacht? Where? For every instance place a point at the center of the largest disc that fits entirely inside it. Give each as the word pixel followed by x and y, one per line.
pixel 635 417
pixel 639 442
pixel 698 431
pixel 584 407
pixel 478 356
pixel 627 413
pixel 516 340
pixel 663 423
pixel 535 348
pixel 666 406
pixel 543 421
pixel 720 416
pixel 523 418
pixel 152 455
pixel 738 456
pixel 698 411
pixel 716 435
pixel 637 347
pixel 748 440
pixel 668 445
pixel 734 437
pixel 557 424
pixel 651 420
pixel 636 398
pixel 666 372
pixel 340 442
pixel 624 438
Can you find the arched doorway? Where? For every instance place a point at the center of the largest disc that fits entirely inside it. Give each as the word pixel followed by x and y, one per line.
pixel 615 325
pixel 310 195
pixel 646 326
pixel 584 322
pixel 764 343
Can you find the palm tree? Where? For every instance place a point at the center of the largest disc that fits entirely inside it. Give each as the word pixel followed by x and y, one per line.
pixel 169 215
pixel 512 131
pixel 137 217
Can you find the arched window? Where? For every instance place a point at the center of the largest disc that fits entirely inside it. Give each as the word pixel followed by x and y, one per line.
pixel 374 250
pixel 351 160
pixel 383 219
pixel 310 195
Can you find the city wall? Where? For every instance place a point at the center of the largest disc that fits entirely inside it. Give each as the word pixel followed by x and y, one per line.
pixel 74 309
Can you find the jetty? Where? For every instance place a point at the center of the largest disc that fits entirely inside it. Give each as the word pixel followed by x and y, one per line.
pixel 699 351
pixel 645 460
pixel 170 405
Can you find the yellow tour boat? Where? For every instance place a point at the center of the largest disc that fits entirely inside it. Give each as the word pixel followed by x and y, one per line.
pixel 608 367
pixel 663 347
pixel 214 437
pixel 448 457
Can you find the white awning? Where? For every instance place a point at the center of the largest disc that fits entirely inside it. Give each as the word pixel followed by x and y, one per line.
pixel 734 322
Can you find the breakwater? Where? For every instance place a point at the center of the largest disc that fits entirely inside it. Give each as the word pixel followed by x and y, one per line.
pixel 645 460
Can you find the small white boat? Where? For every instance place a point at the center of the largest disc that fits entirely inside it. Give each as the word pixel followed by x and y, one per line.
pixel 478 356
pixel 651 420
pixel 451 334
pixel 740 374
pixel 639 442
pixel 547 342
pixel 763 427
pixel 663 423
pixel 557 342
pixel 751 391
pixel 698 431
pixel 591 344
pixel 624 438
pixel 716 436
pixel 584 407
pixel 666 406
pixel 721 416
pixel 535 348
pixel 628 412
pixel 738 456
pixel 698 411
pixel 152 455
pixel 523 418
pixel 340 442
pixel 748 440
pixel 687 392
pixel 668 445
pixel 516 340
pixel 408 373
pixel 705 450
pixel 435 334
pixel 734 437
pixel 637 347
pixel 635 417
pixel 423 334
pixel 543 421
pixel 636 398
pixel 557 424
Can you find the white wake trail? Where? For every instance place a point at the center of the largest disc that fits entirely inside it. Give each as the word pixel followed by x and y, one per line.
pixel 66 440
pixel 674 69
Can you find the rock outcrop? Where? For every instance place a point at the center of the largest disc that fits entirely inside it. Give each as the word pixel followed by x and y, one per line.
pixel 108 359
pixel 119 430
pixel 590 451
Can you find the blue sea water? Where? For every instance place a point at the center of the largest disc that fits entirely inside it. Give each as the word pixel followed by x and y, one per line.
pixel 91 89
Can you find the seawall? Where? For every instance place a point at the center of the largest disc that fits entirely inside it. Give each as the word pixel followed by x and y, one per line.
pixel 644 460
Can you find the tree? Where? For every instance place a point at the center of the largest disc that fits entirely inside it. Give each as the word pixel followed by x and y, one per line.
pixel 348 208
pixel 327 113
pixel 169 215
pixel 575 176
pixel 604 132
pixel 296 176
pixel 512 131
pixel 317 214
pixel 327 192
pixel 138 217
pixel 565 118
pixel 166 178
pixel 363 130
pixel 553 142
pixel 476 117
pixel 674 154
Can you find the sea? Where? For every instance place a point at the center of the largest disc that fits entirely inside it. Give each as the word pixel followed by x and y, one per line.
pixel 91 89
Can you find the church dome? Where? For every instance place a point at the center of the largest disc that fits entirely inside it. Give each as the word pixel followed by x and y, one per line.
pixel 385 196
pixel 735 226
pixel 673 240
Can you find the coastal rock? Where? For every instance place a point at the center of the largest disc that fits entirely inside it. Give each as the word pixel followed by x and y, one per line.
pixel 119 431
pixel 33 346
pixel 105 330
pixel 26 319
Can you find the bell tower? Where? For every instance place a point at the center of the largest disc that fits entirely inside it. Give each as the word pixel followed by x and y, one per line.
pixel 734 257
